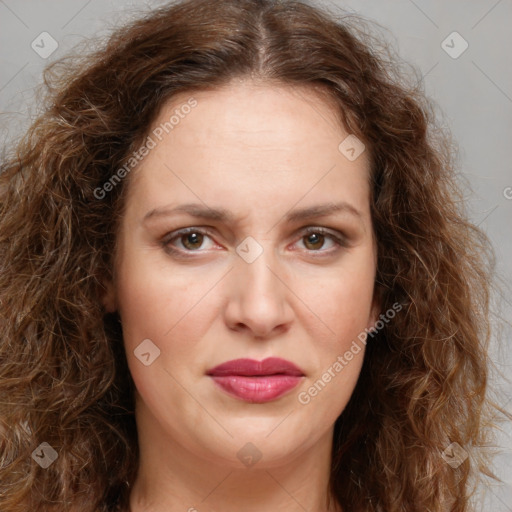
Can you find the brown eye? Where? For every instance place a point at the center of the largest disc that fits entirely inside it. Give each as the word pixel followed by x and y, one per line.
pixel 187 240
pixel 315 238
pixel 314 241
pixel 192 240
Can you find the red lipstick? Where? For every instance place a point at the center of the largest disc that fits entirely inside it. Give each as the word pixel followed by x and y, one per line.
pixel 256 381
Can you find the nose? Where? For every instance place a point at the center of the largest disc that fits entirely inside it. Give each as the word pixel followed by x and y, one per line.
pixel 259 298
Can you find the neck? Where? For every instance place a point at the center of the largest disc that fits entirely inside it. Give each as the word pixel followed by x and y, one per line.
pixel 175 476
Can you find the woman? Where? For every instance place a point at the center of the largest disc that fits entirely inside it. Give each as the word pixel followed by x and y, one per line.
pixel 237 275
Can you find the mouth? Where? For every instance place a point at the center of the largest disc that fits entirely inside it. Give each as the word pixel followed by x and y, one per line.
pixel 256 381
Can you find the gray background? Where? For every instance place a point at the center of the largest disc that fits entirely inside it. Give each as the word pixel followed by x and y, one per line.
pixel 473 92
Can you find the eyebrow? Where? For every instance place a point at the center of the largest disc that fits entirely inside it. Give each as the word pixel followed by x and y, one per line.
pixel 222 215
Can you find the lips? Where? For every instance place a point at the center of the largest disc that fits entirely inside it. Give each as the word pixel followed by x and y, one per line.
pixel 256 381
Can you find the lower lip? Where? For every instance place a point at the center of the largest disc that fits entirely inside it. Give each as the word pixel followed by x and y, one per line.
pixel 257 389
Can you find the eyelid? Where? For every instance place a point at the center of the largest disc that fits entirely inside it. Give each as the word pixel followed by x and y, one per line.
pixel 185 231
pixel 336 236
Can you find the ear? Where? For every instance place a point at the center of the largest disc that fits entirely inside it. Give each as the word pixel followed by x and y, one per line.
pixel 108 296
pixel 375 308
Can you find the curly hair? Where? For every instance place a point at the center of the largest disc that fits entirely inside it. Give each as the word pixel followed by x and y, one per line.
pixel 64 378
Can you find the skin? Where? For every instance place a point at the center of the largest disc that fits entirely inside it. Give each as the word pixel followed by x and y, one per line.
pixel 260 151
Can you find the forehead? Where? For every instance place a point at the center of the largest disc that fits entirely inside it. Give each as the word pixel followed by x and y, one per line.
pixel 272 116
pixel 251 142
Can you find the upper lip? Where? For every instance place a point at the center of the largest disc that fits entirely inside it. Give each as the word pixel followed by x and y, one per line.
pixel 251 367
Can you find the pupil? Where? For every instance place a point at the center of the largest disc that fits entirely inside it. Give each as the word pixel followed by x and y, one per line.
pixel 193 238
pixel 314 238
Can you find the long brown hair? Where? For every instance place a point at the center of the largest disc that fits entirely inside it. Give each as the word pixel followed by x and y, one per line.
pixel 63 372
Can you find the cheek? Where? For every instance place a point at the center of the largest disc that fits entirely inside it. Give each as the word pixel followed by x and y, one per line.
pixel 158 305
pixel 143 308
pixel 341 305
pixel 153 307
pixel 343 311
pixel 151 300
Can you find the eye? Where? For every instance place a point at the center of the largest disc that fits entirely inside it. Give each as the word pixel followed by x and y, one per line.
pixel 191 239
pixel 314 239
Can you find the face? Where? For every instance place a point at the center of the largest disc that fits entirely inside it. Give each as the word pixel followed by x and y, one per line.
pixel 228 250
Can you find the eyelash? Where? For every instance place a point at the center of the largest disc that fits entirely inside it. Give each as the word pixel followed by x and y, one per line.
pixel 339 240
